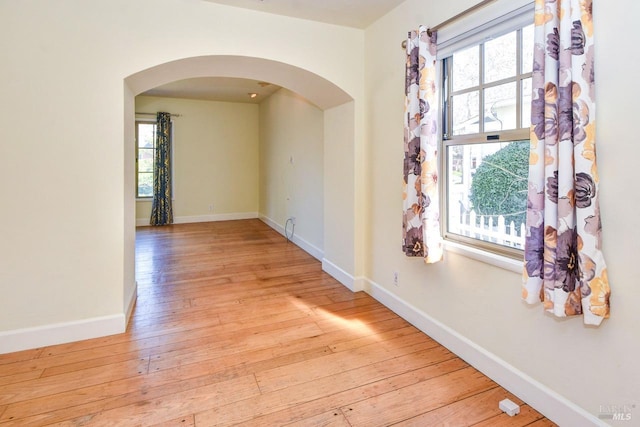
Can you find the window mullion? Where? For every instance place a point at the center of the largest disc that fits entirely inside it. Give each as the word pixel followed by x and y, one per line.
pixel 481 89
pixel 447 96
pixel 519 78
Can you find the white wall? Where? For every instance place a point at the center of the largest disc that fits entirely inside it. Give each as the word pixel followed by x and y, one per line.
pixel 291 167
pixel 215 158
pixel 67 224
pixel 587 366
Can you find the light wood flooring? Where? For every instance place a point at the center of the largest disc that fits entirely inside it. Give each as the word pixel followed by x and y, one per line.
pixel 233 325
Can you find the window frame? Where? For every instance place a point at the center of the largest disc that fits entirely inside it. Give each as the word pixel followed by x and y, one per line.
pixel 137 154
pixel 460 243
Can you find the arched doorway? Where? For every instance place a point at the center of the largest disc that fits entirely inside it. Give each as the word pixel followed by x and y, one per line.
pixel 339 123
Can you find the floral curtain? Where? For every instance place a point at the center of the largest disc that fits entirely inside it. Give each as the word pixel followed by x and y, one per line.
pixel 564 265
pixel 161 210
pixel 421 215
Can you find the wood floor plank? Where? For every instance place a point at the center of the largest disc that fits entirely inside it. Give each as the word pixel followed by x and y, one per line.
pixel 233 324
pixel 157 344
pixel 31 389
pixel 164 408
pixel 106 362
pixel 408 402
pixel 235 290
pixel 333 418
pixel 293 374
pixel 172 323
pixel 343 294
pixel 372 339
pixel 332 322
pixel 313 398
pixel 476 408
pixel 20 356
pixel 231 346
pixel 526 417
pixel 157 383
pixel 23 376
pixel 187 421
pixel 542 423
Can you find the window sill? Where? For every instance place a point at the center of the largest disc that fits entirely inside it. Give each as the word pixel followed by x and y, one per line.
pixel 501 261
pixel 144 199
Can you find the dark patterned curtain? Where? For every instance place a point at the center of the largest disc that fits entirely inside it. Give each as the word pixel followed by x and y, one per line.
pixel 421 212
pixel 161 210
pixel 564 265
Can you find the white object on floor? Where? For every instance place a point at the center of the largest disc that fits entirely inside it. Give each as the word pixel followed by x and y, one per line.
pixel 509 407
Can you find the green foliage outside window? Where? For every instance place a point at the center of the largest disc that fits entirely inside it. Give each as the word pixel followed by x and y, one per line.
pixel 499 184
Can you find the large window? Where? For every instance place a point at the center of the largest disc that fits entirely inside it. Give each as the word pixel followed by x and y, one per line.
pixel 145 150
pixel 486 117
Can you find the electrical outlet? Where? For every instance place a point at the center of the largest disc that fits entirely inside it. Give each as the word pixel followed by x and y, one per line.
pixel 293 220
pixel 396 281
pixel 211 207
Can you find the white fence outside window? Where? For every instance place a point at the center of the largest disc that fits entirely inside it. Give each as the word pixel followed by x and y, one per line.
pixel 490 229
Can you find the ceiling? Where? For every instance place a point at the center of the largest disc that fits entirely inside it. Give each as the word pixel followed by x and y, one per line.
pixel 350 13
pixel 223 89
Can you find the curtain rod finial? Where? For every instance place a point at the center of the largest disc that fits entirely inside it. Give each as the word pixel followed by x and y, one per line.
pixel 429 33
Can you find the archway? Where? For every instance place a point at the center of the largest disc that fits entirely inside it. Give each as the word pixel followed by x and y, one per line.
pixel 339 114
pixel 316 89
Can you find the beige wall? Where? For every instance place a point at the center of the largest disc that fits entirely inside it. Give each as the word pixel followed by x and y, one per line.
pixel 588 366
pixel 215 158
pixel 66 114
pixel 291 165
pixel 341 195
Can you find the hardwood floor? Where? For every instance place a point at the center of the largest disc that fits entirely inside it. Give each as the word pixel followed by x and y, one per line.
pixel 233 325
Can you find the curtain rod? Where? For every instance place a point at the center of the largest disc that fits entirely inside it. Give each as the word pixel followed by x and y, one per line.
pixel 465 12
pixel 153 114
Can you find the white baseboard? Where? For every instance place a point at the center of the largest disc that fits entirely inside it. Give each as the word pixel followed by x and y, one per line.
pixel 309 248
pixel 554 406
pixel 141 222
pixel 133 297
pixel 354 284
pixel 60 333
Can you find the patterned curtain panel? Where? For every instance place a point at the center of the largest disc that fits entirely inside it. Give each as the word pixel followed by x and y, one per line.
pixel 421 215
pixel 564 265
pixel 161 210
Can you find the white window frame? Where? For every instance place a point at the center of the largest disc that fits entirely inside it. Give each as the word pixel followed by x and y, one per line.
pixel 492 21
pixel 137 152
pixel 145 119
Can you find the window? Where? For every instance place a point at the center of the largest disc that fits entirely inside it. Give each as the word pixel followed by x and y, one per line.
pixel 145 151
pixel 486 117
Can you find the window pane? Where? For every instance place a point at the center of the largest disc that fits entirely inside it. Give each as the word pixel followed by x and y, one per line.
pixel 500 107
pixel 526 103
pixel 465 110
pixel 527 49
pixel 145 161
pixel 466 72
pixel 145 184
pixel 487 191
pixel 500 58
pixel 146 134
